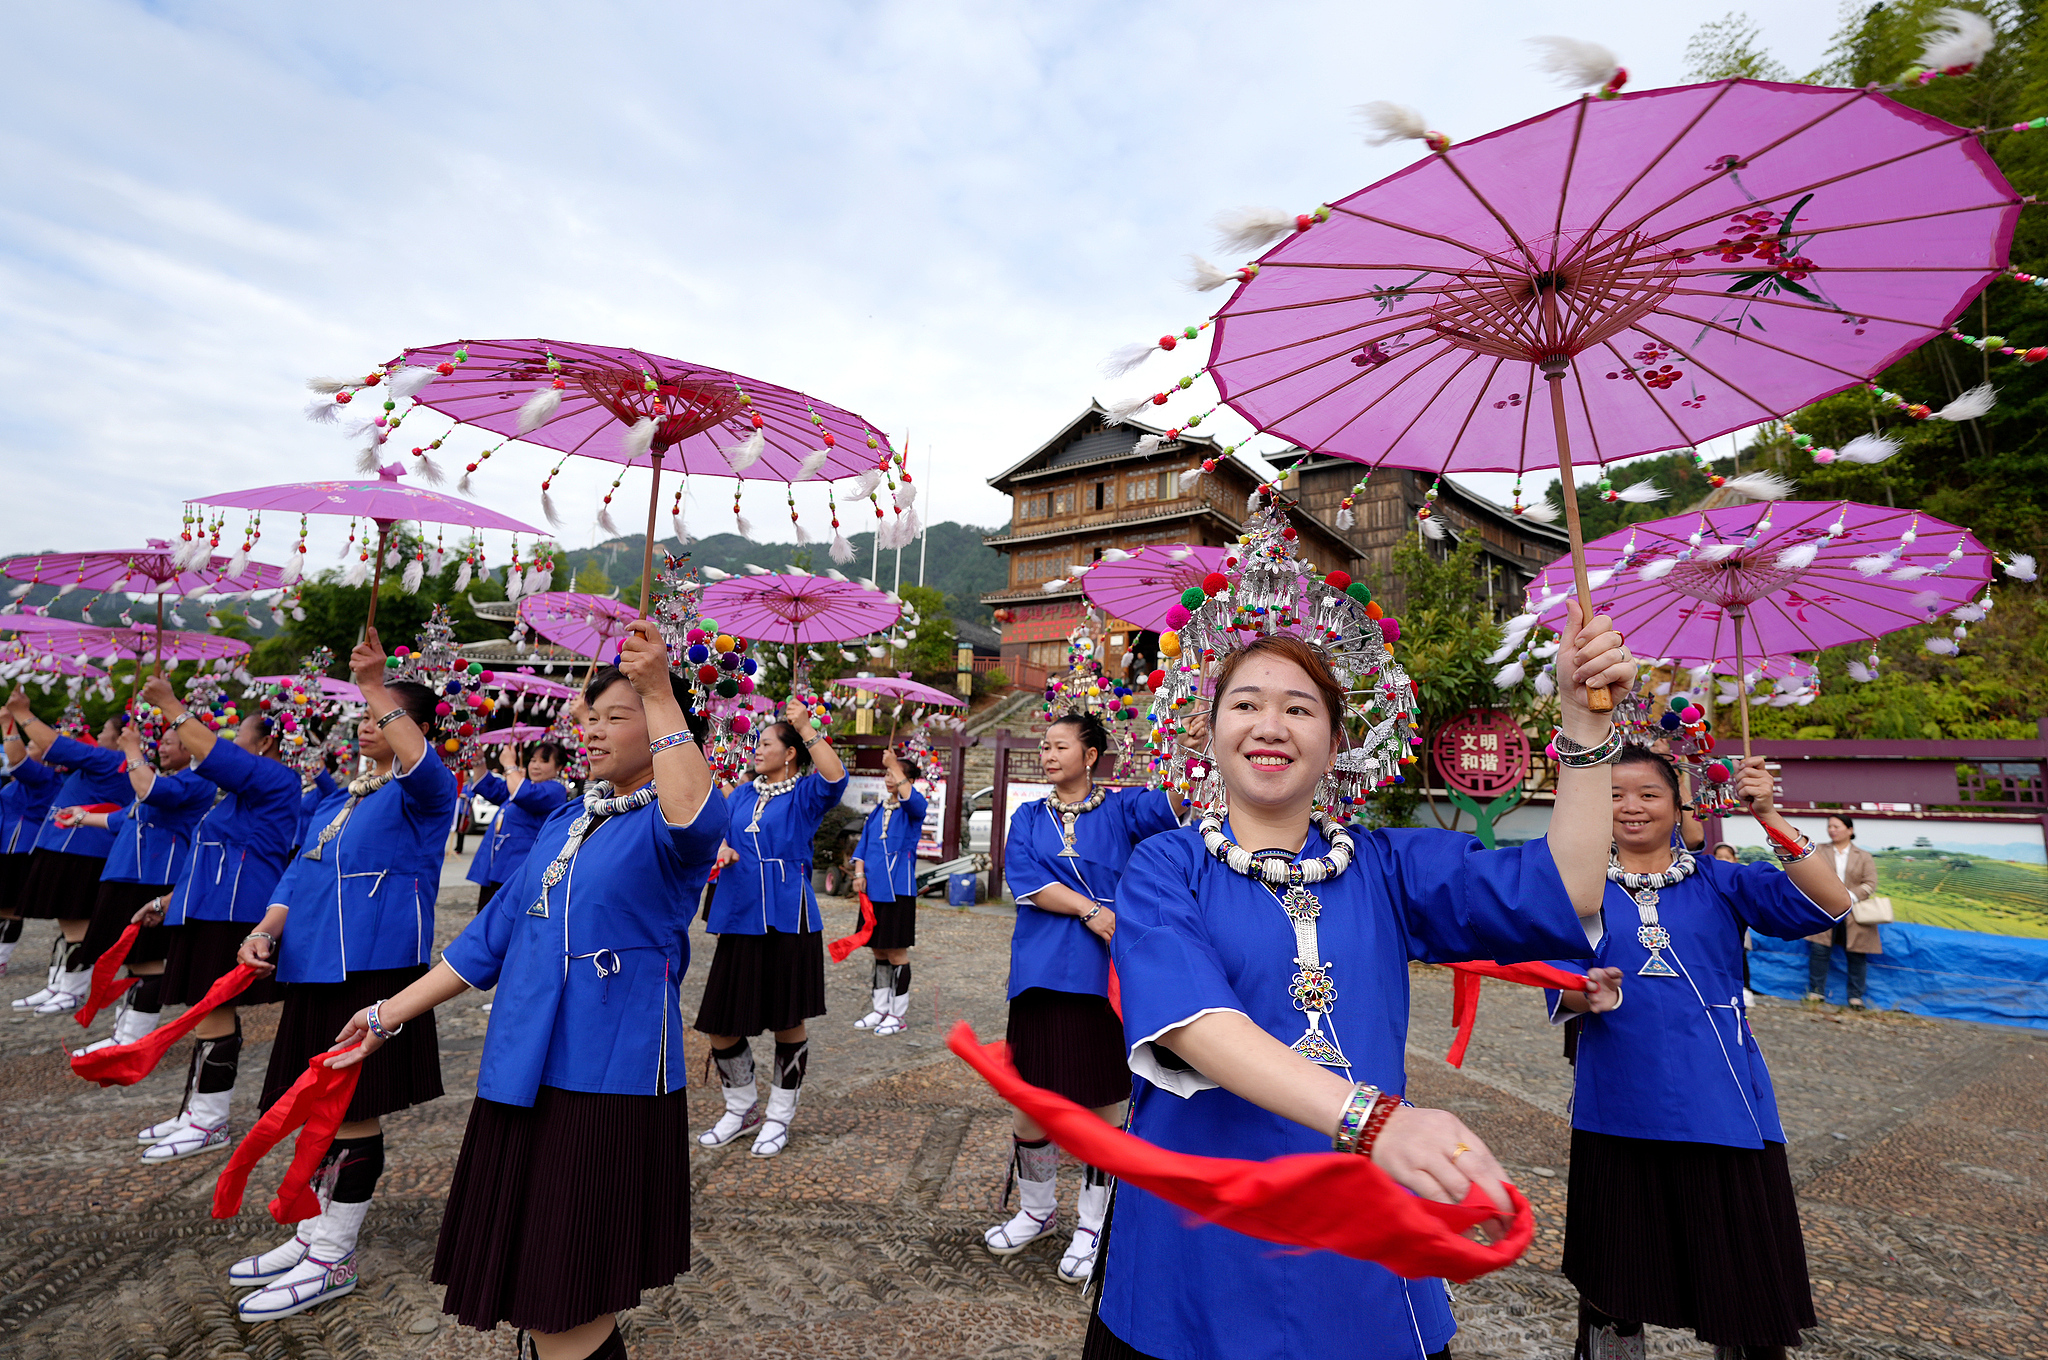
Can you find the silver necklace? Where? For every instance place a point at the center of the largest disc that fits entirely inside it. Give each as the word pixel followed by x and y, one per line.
pixel 765 790
pixel 1644 889
pixel 359 788
pixel 1069 813
pixel 1312 990
pixel 598 803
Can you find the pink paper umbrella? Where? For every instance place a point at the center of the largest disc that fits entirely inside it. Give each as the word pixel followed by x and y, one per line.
pixel 1145 588
pixel 1789 576
pixel 330 687
pixel 590 625
pixel 516 732
pixel 384 500
pixel 901 687
pixel 629 406
pixel 19 656
pixel 134 642
pixel 520 682
pixel 793 609
pixel 1671 265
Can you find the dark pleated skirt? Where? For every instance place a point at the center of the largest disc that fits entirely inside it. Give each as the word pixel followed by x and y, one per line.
pixel 1688 1235
pixel 13 878
pixel 61 887
pixel 113 910
pixel 404 1072
pixel 201 953
pixel 1069 1043
pixel 895 923
pixel 774 981
pixel 564 1212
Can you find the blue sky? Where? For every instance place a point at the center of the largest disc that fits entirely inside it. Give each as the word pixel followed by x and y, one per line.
pixel 939 215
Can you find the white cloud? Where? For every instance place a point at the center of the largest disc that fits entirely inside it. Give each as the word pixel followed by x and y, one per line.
pixel 941 216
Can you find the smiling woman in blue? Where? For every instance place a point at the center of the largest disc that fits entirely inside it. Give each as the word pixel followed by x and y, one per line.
pixel 528 791
pixel 769 969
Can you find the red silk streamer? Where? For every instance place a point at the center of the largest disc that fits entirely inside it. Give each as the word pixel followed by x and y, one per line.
pixel 841 948
pixel 1465 993
pixel 1779 838
pixel 314 1105
pixel 126 1064
pixel 1116 991
pixel 1321 1201
pixel 104 992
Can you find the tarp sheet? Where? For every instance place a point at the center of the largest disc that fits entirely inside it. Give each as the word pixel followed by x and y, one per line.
pixel 1927 970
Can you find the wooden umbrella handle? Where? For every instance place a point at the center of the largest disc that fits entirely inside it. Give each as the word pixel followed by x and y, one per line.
pixel 1597 696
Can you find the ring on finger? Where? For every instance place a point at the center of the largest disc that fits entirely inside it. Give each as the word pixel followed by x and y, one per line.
pixel 1459 1151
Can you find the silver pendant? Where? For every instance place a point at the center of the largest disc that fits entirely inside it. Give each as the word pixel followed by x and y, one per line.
pixel 1655 939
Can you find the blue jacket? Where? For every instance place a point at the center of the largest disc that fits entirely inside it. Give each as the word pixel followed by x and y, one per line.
pixel 239 846
pixel 96 775
pixel 589 994
pixel 367 901
pixel 319 791
pixel 1677 1060
pixel 1048 948
pixel 1194 937
pixel 512 831
pixel 769 885
pixel 31 787
pixel 890 855
pixel 153 834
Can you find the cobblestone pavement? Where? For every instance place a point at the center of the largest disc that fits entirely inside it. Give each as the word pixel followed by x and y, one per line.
pixel 1920 1150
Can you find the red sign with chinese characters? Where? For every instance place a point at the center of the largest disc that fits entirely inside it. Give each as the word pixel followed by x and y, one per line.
pixel 1481 753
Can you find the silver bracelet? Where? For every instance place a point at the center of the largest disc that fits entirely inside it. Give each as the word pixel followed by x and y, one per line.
pixel 1808 846
pixel 377 1027
pixel 389 718
pixel 1573 756
pixel 660 744
pixel 1091 913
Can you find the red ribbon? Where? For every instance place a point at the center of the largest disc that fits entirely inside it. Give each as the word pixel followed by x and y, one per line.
pixel 126 1064
pixel 314 1105
pixel 1465 993
pixel 104 992
pixel 841 948
pixel 1322 1201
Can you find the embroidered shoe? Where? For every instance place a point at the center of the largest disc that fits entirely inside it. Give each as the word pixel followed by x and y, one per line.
pixel 1007 1239
pixel 188 1140
pixel 742 1112
pixel 1078 1262
pixel 774 1134
pixel 158 1132
pixel 63 1003
pixel 271 1265
pixel 307 1285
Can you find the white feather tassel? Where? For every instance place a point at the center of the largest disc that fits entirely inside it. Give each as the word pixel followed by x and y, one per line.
pixel 1928 602
pixel 1969 406
pixel 1861 673
pixel 745 454
pixel 841 550
pixel 1147 444
pixel 1759 486
pixel 1115 555
pixel 638 438
pixel 1642 493
pixel 1387 122
pixel 1577 64
pixel 1520 623
pixel 1508 647
pixel 323 411
pixel 682 532
pixel 430 471
pixel 1545 685
pixel 1247 231
pixel 1657 570
pixel 1963 39
pixel 1127 357
pixel 865 484
pixel 408 381
pixel 2021 567
pixel 1543 512
pixel 906 495
pixel 327 386
pixel 743 526
pixel 539 580
pixel 358 572
pixel 913 525
pixel 1345 519
pixel 714 574
pixel 1203 277
pixel 1050 586
pixel 539 409
pixel 1940 646
pixel 548 511
pixel 803 535
pixel 1432 528
pixel 605 523
pixel 1188 478
pixel 294 564
pixel 366 460
pixel 1877 564
pixel 1124 410
pixel 462 577
pixel 1714 552
pixel 414 570
pixel 1510 675
pixel 1912 573
pixel 1868 448
pixel 812 461
pixel 1798 557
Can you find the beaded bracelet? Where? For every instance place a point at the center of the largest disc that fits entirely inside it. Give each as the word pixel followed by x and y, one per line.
pixel 1382 1110
pixel 389 718
pixel 1573 756
pixel 1803 849
pixel 1351 1121
pixel 377 1027
pixel 673 739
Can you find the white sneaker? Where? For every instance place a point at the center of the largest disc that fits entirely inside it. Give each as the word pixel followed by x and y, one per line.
pixel 1038 1214
pixel 1078 1262
pixel 275 1263
pixel 774 1134
pixel 742 1112
pixel 878 1012
pixel 894 1022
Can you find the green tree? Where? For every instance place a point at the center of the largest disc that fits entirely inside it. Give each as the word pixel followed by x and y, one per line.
pixel 591 578
pixel 1727 49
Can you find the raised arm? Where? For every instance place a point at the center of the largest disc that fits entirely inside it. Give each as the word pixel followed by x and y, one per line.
pixel 1814 875
pixel 366 666
pixel 40 734
pixel 824 759
pixel 198 738
pixel 1582 821
pixel 141 777
pixel 682 781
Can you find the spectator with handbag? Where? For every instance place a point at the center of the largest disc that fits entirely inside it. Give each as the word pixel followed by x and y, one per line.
pixel 1858 934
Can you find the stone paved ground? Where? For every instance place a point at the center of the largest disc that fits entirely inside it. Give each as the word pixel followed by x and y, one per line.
pixel 1920 1149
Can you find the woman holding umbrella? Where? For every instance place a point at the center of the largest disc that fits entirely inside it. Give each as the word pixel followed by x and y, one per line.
pixel 238 851
pixel 884 871
pixel 1063 858
pixel 69 856
pixel 527 791
pixel 572 1191
pixel 1681 1210
pixel 769 968
pixel 152 844
pixel 351 921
